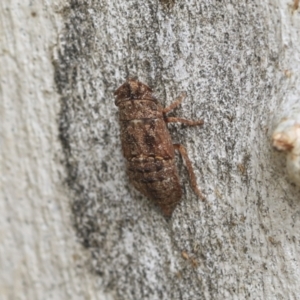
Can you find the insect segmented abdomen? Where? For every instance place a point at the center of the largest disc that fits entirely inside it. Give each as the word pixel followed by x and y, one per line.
pixel 158 180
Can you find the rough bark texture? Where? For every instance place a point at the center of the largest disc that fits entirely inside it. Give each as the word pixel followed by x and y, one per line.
pixel 63 166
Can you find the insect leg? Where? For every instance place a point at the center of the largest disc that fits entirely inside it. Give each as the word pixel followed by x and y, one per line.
pixel 189 166
pixel 174 104
pixel 179 120
pixel 183 121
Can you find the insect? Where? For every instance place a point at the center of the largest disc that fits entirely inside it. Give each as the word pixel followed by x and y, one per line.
pixel 147 145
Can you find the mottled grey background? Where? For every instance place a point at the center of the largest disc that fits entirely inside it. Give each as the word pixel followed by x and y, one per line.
pixel 226 56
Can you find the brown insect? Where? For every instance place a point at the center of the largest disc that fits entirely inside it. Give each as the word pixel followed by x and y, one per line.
pixel 147 145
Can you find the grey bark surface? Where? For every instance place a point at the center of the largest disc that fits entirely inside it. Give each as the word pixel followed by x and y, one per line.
pixel 73 226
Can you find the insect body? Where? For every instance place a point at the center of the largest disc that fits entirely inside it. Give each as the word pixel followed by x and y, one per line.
pixel 147 145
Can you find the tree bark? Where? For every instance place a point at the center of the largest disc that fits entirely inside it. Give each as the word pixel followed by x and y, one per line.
pixel 72 225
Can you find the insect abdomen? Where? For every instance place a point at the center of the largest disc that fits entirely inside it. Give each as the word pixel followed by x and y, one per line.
pixel 158 180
